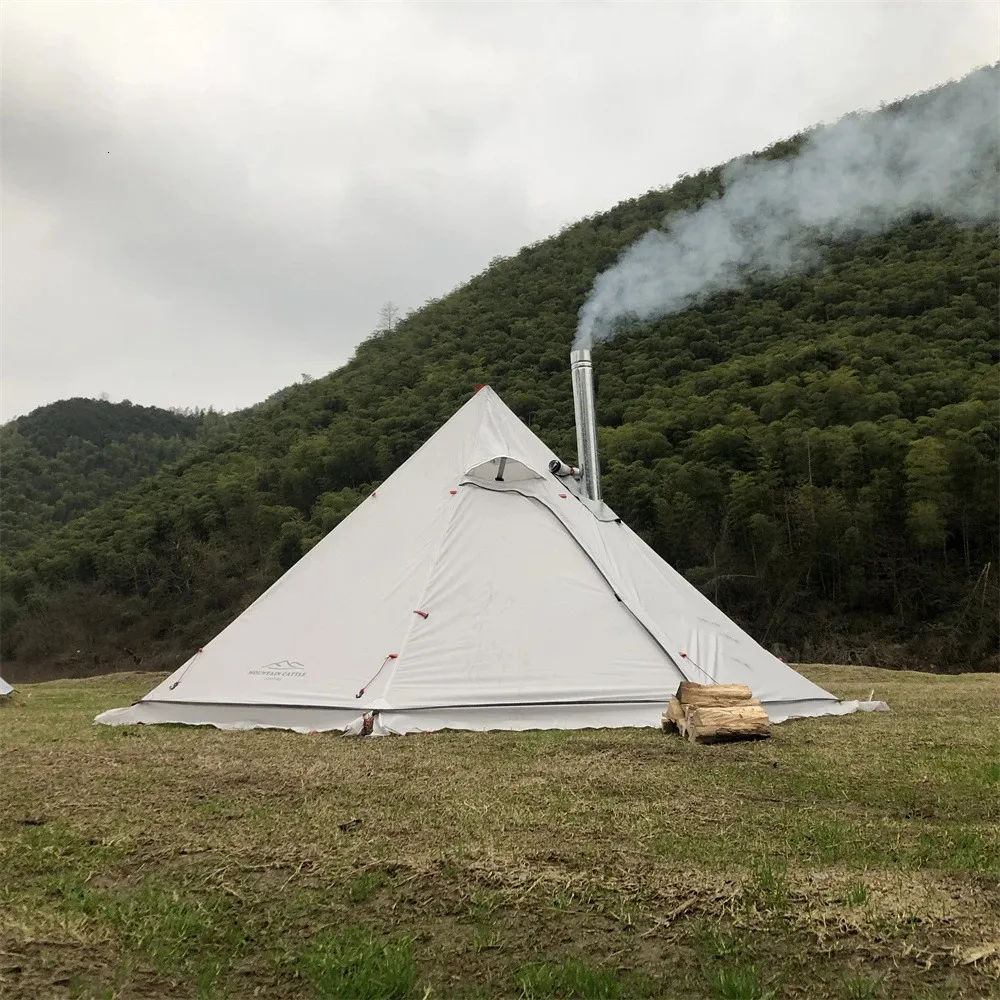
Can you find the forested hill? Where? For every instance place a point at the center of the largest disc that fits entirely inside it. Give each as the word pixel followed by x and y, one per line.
pixel 66 458
pixel 818 453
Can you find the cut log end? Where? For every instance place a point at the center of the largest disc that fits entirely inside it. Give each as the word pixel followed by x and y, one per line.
pixel 723 725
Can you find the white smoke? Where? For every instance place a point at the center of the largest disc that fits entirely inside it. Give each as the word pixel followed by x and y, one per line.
pixel 937 154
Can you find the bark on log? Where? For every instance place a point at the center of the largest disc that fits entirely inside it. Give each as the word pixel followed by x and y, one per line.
pixel 713 695
pixel 720 725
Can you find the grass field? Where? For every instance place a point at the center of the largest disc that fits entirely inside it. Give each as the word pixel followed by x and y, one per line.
pixel 855 857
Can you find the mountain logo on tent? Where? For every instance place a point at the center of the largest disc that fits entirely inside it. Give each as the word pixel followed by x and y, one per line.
pixel 281 668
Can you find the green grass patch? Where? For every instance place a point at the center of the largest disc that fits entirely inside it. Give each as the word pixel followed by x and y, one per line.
pixel 717 941
pixel 857 894
pixel 766 889
pixel 195 863
pixel 180 933
pixel 355 965
pixel 573 979
pixel 737 982
pixel 862 985
pixel 366 886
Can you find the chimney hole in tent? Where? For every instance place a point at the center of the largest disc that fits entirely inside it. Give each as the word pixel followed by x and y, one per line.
pixel 502 469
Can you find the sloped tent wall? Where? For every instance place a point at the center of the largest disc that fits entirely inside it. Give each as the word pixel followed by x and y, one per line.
pixel 519 634
pixel 452 599
pixel 5 688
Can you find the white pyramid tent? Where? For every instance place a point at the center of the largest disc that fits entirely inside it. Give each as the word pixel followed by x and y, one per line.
pixel 473 589
pixel 5 688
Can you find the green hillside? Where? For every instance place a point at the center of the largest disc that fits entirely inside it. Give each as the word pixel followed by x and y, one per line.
pixel 66 458
pixel 817 453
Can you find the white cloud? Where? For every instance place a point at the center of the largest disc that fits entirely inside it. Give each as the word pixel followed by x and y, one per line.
pixel 202 201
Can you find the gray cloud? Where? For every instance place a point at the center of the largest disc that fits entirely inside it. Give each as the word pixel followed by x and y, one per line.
pixel 203 201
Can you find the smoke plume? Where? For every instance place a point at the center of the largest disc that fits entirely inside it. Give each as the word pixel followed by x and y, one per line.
pixel 939 153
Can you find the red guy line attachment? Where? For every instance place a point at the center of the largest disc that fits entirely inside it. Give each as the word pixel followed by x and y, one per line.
pixel 179 679
pixel 391 656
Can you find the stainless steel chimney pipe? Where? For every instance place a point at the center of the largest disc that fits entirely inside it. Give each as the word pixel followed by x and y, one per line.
pixel 582 370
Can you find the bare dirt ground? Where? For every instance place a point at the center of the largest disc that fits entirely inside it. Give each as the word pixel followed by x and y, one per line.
pixel 850 857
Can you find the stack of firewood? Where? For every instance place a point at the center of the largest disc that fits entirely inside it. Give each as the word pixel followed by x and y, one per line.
pixel 716 713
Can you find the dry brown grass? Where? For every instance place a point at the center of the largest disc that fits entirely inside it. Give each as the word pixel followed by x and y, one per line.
pixel 856 856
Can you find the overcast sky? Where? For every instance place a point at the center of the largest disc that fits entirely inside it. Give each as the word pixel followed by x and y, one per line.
pixel 201 201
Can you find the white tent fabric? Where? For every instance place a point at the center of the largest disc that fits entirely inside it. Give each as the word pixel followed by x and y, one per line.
pixel 5 688
pixel 472 590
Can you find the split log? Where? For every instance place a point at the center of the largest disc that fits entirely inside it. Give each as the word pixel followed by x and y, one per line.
pixel 720 725
pixel 672 719
pixel 674 715
pixel 713 695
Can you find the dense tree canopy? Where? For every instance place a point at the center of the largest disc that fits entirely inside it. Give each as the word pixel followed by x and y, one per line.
pixel 818 453
pixel 66 458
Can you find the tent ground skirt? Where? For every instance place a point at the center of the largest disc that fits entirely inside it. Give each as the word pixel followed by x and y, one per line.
pixel 309 719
